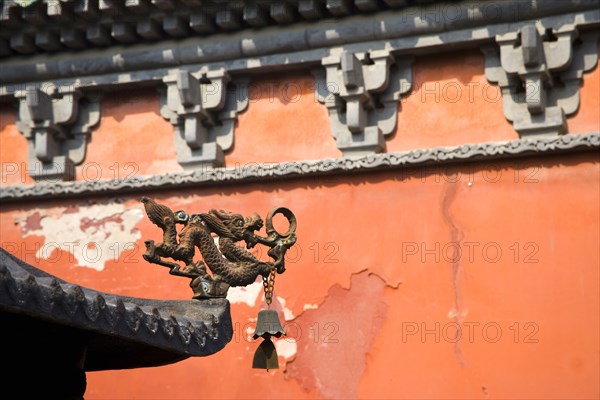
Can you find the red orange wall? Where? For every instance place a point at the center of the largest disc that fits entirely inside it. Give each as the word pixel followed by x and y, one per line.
pixel 388 266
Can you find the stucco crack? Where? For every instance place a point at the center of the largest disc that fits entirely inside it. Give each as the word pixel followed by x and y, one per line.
pixel 456 236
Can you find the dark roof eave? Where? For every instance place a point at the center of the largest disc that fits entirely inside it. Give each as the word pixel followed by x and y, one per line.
pixel 119 332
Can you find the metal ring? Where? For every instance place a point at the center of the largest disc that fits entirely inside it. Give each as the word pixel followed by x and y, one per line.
pixel 288 214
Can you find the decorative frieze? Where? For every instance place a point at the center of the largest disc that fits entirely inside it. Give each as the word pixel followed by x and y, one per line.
pixel 361 93
pixel 203 112
pixel 408 161
pixel 57 123
pixel 539 70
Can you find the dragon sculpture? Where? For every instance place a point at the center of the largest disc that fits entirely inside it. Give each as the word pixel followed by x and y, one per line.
pixel 229 264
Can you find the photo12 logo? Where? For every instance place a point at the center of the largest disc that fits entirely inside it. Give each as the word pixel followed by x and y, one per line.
pixel 87 172
pixel 452 332
pixel 471 252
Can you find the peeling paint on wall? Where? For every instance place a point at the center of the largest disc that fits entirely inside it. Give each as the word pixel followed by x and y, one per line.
pixel 93 234
pixel 286 348
pixel 245 294
pixel 287 313
pixel 348 318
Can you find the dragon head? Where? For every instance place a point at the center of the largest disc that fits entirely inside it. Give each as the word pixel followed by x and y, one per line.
pixel 232 225
pixel 253 222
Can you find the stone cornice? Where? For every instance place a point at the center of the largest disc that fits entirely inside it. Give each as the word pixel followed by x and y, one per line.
pixel 294 46
pixel 29 27
pixel 271 172
pixel 55 26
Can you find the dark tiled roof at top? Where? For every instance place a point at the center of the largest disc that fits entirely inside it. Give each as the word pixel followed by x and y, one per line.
pixel 36 26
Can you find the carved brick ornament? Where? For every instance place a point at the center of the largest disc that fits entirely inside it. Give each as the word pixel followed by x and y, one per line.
pixel 539 70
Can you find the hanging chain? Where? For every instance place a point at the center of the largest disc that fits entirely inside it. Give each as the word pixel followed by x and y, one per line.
pixel 268 284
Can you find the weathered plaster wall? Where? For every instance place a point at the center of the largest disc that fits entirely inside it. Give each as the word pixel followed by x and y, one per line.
pixel 13 150
pixel 284 122
pixel 386 291
pixel 450 106
pixel 132 139
pixel 389 267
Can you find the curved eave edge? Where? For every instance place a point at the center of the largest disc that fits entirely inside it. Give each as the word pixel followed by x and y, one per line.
pixel 197 328
pixel 306 169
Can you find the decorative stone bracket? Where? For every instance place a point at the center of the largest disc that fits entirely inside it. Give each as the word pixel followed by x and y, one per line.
pixel 361 92
pixel 57 127
pixel 203 112
pixel 539 71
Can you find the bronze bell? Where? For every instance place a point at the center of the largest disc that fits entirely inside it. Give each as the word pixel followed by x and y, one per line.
pixel 268 325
